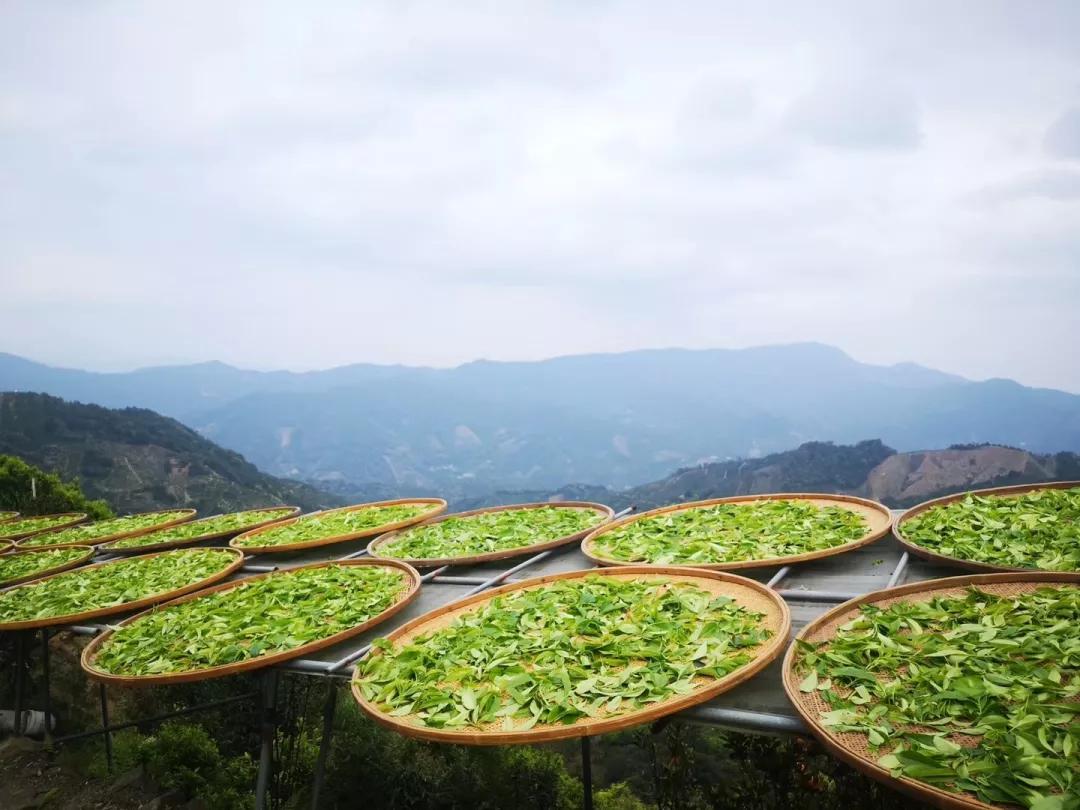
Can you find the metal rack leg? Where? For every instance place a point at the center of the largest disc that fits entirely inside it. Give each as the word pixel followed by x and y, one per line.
pixel 329 708
pixel 586 773
pixel 20 678
pixel 267 727
pixel 48 683
pixel 105 725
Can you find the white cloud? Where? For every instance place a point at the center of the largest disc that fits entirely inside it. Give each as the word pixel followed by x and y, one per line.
pixel 276 186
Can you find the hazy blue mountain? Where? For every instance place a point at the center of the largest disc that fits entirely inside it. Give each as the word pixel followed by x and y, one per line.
pixel 610 419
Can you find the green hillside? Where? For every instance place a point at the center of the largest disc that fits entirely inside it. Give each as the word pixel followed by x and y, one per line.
pixel 138 460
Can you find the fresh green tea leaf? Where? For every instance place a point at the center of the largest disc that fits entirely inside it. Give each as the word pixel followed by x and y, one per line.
pixel 24 564
pixel 468 535
pixel 320 525
pixel 556 653
pixel 235 522
pixel 731 532
pixel 1038 529
pixel 282 611
pixel 93 532
pixel 919 665
pixel 111 584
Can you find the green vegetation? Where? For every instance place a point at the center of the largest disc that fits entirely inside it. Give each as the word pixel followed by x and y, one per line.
pixel 24 564
pixel 731 532
pixel 467 535
pixel 8 515
pixel 32 491
pixel 590 647
pixel 1039 529
pixel 263 616
pixel 110 584
pixel 14 528
pixel 920 678
pixel 321 525
pixel 94 532
pixel 193 530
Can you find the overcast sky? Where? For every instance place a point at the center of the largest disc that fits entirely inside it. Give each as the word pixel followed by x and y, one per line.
pixel 275 186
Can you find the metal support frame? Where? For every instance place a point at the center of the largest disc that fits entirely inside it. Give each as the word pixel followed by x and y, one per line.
pixel 48 682
pixel 20 679
pixel 105 725
pixel 158 718
pixel 761 722
pixel 329 708
pixel 267 730
pixel 586 773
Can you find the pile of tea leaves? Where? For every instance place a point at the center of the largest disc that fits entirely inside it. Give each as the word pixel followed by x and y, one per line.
pixel 233 522
pixel 259 617
pixel 921 679
pixel 731 532
pixel 27 563
pixel 1037 529
pixel 8 515
pixel 590 647
pixel 485 532
pixel 338 522
pixel 111 584
pixel 94 532
pixel 20 526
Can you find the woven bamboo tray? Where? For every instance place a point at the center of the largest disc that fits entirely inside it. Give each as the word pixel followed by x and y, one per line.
pixel 438 506
pixel 959 562
pixel 8 515
pixel 878 520
pixel 74 519
pixel 90 653
pixel 44 572
pixel 202 538
pixel 187 514
pixel 375 547
pixel 852 747
pixel 138 604
pixel 746 592
pixel 6 546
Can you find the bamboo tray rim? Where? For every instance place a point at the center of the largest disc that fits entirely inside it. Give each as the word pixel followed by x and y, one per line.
pixel 90 652
pixel 926 590
pixel 765 654
pixel 202 538
pixel 137 604
pixel 438 506
pixel 76 519
pixel 8 514
pixel 187 515
pixel 959 562
pixel 44 572
pixel 6 546
pixel 872 534
pixel 374 547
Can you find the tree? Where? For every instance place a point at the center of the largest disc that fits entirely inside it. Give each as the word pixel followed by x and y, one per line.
pixel 33 491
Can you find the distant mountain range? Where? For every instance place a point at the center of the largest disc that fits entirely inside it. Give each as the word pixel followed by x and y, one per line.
pixel 869 469
pixel 614 420
pixel 137 460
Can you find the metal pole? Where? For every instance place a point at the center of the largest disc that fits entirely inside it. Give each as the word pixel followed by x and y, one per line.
pixel 199 707
pixel 324 743
pixel 105 726
pixel 20 665
pixel 48 684
pixel 779 575
pixel 268 705
pixel 586 773
pixel 899 570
